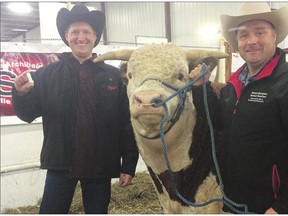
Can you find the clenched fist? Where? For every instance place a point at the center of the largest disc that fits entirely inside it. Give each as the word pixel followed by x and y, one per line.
pixel 195 74
pixel 23 83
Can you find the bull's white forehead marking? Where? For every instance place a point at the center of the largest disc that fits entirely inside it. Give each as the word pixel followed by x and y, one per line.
pixel 162 61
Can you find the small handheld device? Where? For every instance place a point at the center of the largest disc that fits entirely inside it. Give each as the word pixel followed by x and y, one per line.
pixel 30 78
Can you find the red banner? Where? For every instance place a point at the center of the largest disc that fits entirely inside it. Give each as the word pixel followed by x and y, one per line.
pixel 12 65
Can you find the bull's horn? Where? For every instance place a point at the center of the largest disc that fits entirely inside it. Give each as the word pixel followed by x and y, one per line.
pixel 193 55
pixel 122 55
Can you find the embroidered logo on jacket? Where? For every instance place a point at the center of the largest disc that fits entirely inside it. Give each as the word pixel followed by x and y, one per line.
pixel 257 97
pixel 111 88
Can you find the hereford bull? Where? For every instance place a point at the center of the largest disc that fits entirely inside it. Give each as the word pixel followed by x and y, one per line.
pixel 148 69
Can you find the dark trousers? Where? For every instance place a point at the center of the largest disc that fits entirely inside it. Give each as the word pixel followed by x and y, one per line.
pixel 59 190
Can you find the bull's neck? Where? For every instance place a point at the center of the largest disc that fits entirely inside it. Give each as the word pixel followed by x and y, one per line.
pixel 178 141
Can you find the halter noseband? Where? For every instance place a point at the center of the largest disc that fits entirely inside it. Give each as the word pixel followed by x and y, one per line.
pixel 157 102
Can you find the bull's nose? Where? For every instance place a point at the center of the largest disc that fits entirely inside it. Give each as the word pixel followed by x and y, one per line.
pixel 145 100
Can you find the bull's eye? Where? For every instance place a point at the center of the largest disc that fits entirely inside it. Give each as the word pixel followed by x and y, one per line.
pixel 129 75
pixel 180 76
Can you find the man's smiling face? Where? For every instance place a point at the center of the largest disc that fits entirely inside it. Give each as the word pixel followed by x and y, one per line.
pixel 256 41
pixel 81 39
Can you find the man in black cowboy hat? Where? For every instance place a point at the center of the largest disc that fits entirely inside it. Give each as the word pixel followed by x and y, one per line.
pixel 86 122
pixel 254 111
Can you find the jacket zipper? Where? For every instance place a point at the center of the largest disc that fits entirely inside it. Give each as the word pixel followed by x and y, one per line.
pixel 235 107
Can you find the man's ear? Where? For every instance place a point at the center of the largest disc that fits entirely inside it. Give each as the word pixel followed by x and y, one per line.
pixel 66 35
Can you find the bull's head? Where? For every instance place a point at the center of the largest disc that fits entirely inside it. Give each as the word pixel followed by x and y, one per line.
pixel 145 71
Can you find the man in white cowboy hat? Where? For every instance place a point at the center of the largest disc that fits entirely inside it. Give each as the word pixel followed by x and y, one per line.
pixel 254 112
pixel 86 122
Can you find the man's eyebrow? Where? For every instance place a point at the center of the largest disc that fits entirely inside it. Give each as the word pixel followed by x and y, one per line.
pixel 263 27
pixel 243 28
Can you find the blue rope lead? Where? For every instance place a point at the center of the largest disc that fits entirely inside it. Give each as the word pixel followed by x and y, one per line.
pixel 226 200
pixel 159 102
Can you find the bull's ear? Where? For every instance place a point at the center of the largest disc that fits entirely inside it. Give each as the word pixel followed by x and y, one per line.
pixel 211 61
pixel 123 72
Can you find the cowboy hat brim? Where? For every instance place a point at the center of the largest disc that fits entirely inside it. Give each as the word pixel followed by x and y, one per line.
pixel 278 18
pixel 94 18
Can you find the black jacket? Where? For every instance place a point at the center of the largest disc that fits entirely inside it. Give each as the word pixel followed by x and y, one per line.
pixel 54 98
pixel 255 122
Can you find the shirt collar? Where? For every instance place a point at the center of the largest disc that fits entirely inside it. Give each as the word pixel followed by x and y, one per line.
pixel 243 75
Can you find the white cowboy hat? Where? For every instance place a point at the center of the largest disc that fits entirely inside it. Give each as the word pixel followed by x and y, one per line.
pixel 251 11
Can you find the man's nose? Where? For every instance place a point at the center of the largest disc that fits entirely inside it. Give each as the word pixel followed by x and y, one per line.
pixel 252 39
pixel 81 35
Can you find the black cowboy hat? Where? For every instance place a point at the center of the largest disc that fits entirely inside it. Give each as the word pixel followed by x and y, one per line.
pixel 80 13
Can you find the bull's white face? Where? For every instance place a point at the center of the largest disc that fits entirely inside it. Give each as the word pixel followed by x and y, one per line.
pixel 166 63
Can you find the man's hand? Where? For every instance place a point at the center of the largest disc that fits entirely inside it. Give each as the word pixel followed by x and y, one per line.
pixel 23 83
pixel 271 211
pixel 124 180
pixel 53 58
pixel 196 72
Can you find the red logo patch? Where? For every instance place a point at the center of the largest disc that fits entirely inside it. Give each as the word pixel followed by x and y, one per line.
pixel 111 88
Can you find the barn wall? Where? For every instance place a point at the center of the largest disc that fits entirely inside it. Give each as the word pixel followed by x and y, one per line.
pixel 33 36
pixel 189 19
pixel 126 20
pixel 21 184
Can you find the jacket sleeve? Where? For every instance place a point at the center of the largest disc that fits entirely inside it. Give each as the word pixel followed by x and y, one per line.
pixel 281 204
pixel 27 107
pixel 129 149
pixel 214 105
